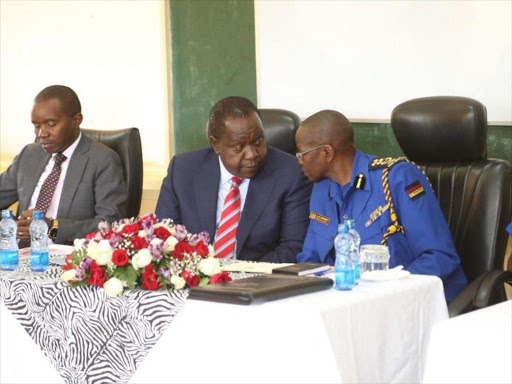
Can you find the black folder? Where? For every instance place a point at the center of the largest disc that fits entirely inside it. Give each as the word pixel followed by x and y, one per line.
pixel 259 288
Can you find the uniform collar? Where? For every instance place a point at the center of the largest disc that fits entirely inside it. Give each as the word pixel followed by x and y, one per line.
pixel 359 166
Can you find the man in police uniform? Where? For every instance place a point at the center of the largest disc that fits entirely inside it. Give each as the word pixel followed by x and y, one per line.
pixel 390 200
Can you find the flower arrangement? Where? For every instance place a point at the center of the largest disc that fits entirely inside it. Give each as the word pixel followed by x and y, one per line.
pixel 143 252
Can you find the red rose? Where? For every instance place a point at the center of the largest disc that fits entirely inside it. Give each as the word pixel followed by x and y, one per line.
pixel 68 264
pixel 120 257
pixel 202 249
pixel 98 275
pixel 191 279
pixel 130 229
pixel 180 249
pixel 220 278
pixel 91 235
pixel 161 233
pixel 109 234
pixel 150 279
pixel 138 243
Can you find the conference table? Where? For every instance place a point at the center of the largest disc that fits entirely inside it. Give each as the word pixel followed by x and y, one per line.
pixel 472 348
pixel 378 332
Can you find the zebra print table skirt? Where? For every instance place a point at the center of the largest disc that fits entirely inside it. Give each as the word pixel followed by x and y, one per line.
pixel 89 337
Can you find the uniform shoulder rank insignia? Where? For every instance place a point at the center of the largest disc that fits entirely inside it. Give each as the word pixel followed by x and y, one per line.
pixel 359 181
pixel 415 190
pixel 320 218
pixel 384 162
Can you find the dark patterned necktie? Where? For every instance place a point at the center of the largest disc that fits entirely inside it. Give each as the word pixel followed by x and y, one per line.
pixel 48 188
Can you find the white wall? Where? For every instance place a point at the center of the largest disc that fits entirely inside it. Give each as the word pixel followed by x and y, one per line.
pixel 363 58
pixel 112 53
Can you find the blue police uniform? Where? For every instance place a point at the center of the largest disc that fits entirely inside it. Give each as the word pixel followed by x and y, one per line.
pixel 425 248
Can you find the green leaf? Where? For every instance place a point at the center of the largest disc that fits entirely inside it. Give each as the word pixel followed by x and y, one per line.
pixel 127 274
pixel 204 281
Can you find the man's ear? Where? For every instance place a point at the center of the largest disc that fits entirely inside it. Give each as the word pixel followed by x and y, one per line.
pixel 214 143
pixel 77 120
pixel 329 153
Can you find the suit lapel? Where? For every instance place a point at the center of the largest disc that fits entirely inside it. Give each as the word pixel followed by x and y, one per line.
pixel 32 176
pixel 259 191
pixel 74 174
pixel 206 189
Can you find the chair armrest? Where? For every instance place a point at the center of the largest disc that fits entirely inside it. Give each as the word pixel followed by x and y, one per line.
pixel 485 290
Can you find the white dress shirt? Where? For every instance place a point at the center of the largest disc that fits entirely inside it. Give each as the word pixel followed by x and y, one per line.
pixel 224 187
pixel 54 204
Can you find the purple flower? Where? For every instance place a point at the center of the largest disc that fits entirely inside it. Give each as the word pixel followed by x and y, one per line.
pixel 80 274
pixel 148 226
pixel 165 273
pixel 181 232
pixel 205 236
pixel 115 239
pixel 103 227
pixel 85 264
pixel 156 250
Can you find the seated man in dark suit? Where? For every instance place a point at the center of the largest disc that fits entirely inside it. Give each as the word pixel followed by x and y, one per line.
pixel 76 181
pixel 252 199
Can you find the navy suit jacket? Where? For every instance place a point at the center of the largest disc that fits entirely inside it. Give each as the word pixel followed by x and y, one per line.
pixel 275 215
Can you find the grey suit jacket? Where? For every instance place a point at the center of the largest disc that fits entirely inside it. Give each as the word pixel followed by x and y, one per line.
pixel 276 211
pixel 94 188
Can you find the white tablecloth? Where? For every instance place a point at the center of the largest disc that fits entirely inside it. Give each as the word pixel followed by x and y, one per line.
pixel 472 348
pixel 376 333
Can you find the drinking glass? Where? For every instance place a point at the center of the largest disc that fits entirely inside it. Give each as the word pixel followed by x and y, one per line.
pixel 374 257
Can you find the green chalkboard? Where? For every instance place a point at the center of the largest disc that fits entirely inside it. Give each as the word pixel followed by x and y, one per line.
pixel 378 139
pixel 213 56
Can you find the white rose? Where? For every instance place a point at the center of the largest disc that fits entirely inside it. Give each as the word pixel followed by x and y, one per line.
pixel 113 287
pixel 141 259
pixel 169 244
pixel 92 250
pixel 177 281
pixel 142 234
pixel 156 241
pixel 79 244
pixel 104 255
pixel 209 266
pixel 211 251
pixel 69 275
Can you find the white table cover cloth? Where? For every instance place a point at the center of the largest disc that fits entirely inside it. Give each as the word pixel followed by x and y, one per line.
pixel 472 348
pixel 377 333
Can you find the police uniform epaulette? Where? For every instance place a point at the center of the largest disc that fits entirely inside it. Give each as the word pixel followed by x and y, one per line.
pixel 385 162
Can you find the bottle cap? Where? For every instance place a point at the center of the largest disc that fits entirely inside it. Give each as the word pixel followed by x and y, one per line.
pixel 38 215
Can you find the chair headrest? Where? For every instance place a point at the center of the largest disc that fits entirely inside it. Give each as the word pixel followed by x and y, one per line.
pixel 441 128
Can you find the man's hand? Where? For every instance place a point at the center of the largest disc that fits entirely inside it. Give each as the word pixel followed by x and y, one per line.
pixel 24 221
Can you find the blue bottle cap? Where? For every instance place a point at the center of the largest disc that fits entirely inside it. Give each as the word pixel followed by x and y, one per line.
pixel 38 215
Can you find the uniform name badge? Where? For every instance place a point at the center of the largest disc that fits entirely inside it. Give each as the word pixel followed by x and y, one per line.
pixel 320 218
pixel 376 214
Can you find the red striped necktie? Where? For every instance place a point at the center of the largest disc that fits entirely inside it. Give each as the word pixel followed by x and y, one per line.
pixel 225 239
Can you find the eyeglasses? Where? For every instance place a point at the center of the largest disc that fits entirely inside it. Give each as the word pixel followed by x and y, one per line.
pixel 299 155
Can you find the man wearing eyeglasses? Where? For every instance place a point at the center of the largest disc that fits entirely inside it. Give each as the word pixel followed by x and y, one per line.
pixel 391 201
pixel 251 198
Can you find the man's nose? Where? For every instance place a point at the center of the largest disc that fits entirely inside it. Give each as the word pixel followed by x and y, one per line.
pixel 251 152
pixel 42 133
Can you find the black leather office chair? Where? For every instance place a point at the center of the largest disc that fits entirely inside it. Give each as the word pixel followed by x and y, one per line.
pixel 280 126
pixel 127 144
pixel 446 136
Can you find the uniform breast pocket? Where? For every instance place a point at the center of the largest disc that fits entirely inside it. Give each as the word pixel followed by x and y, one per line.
pixel 371 232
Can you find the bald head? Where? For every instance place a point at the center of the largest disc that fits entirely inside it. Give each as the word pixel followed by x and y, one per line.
pixel 328 127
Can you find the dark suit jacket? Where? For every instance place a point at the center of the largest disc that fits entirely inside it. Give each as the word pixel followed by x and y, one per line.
pixel 94 188
pixel 275 215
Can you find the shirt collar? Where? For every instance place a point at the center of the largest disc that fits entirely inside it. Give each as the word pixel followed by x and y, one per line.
pixel 225 175
pixel 68 152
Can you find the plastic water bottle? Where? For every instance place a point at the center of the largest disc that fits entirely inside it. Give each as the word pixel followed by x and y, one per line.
pixel 8 242
pixel 355 254
pixel 38 243
pixel 344 270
